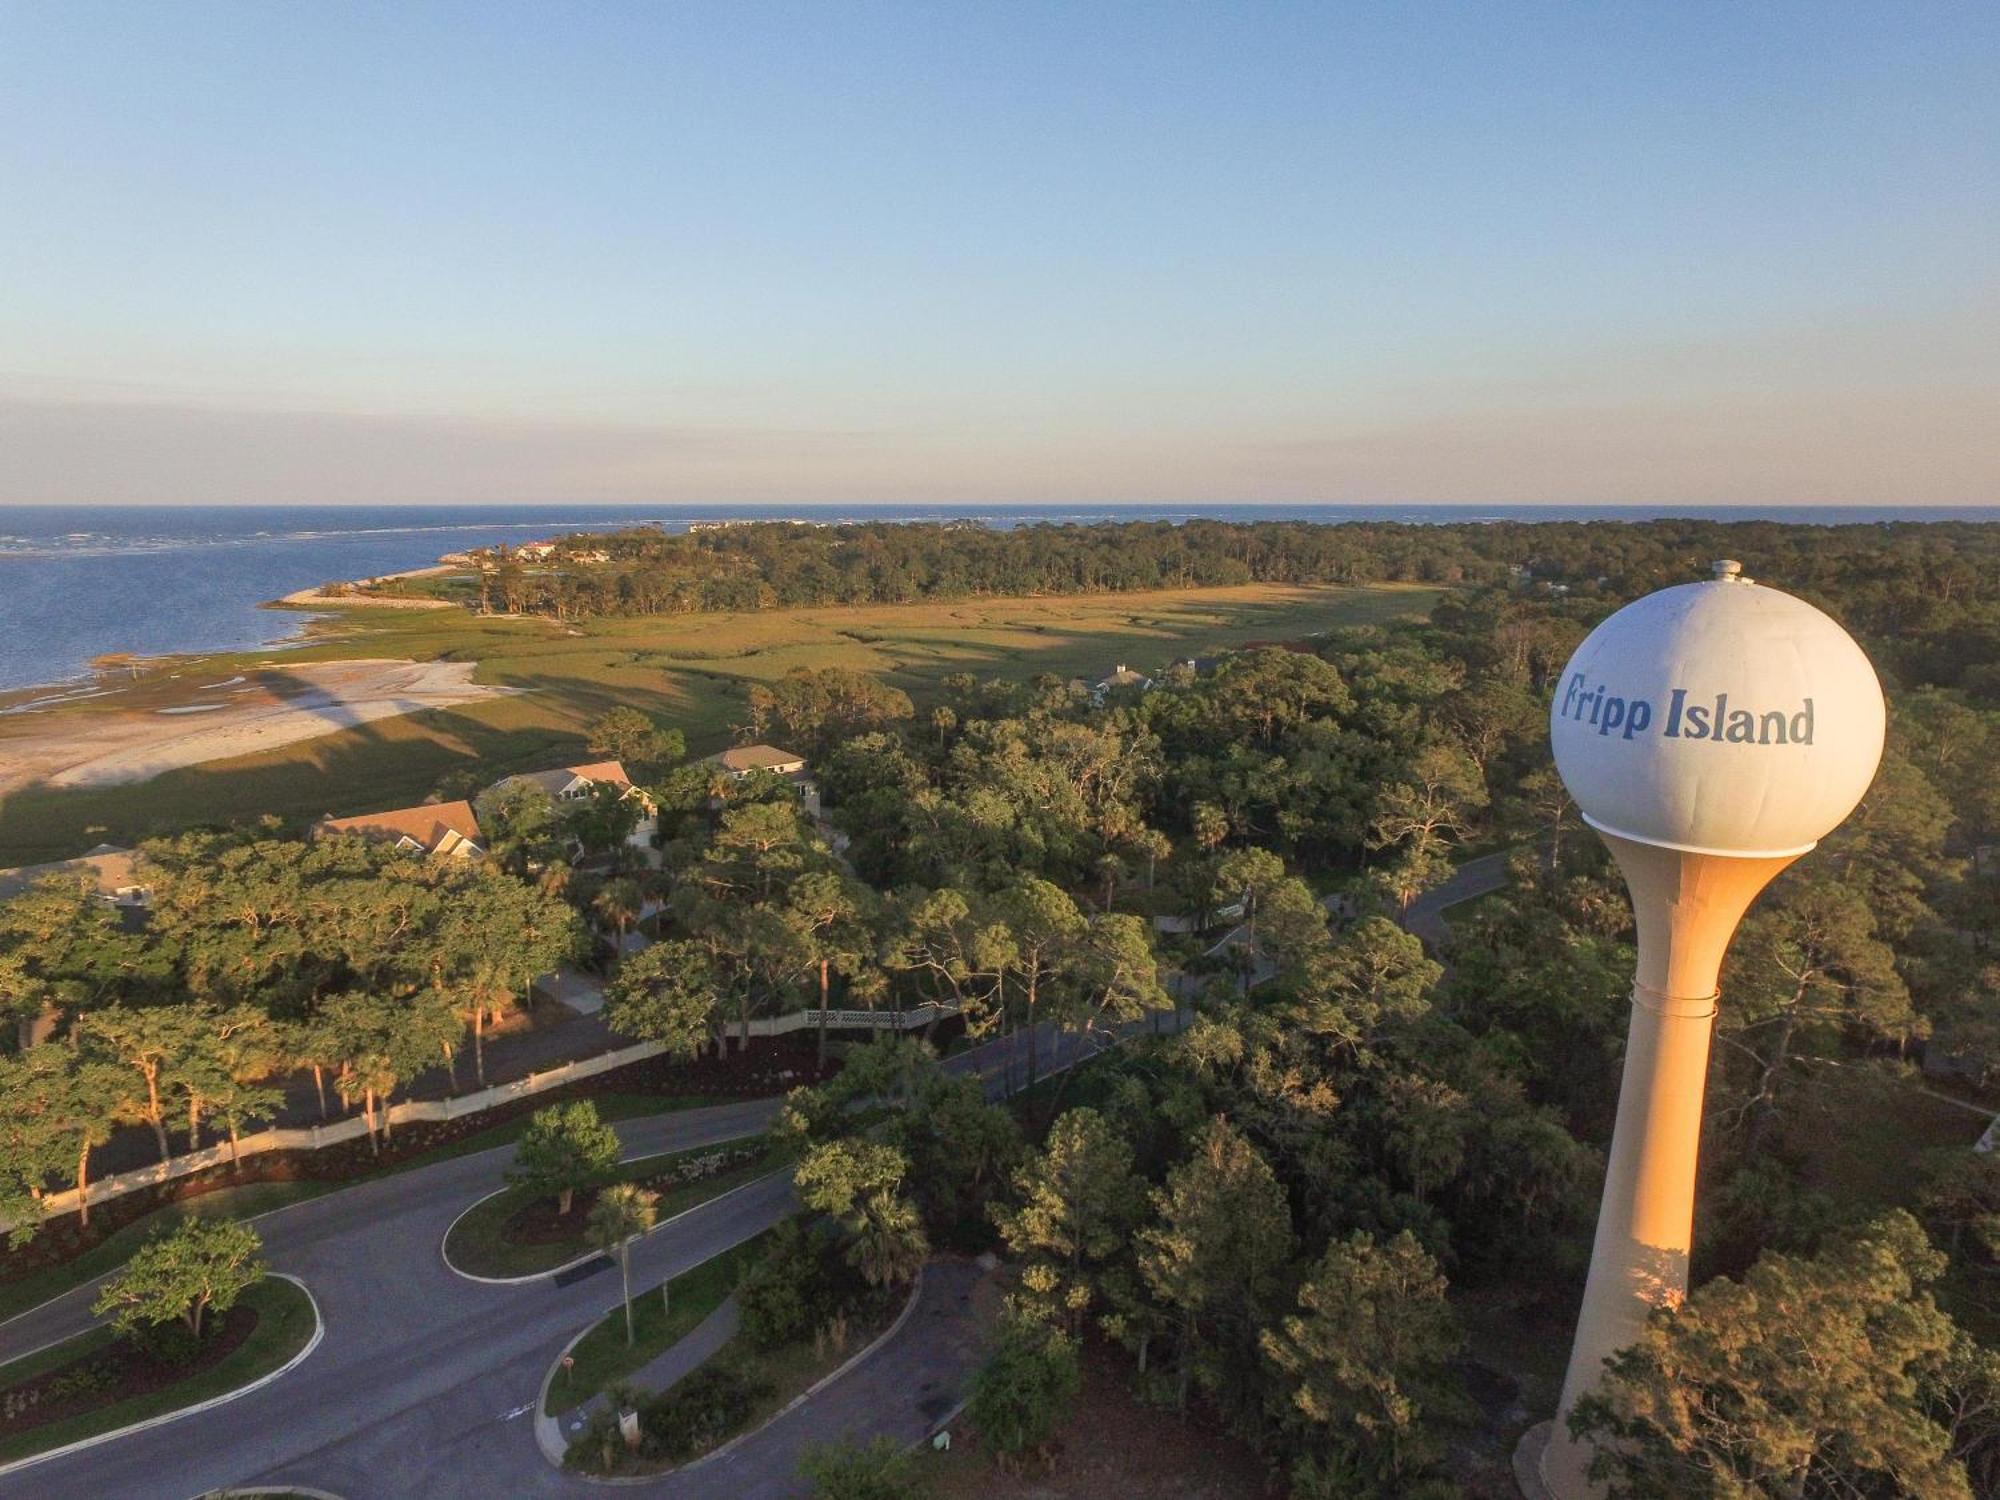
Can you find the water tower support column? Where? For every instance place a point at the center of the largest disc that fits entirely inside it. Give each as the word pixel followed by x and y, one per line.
pixel 1687 907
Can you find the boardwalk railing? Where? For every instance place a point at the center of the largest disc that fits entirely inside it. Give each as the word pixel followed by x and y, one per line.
pixel 320 1137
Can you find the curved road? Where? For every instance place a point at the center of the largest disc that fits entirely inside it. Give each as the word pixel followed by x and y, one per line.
pixel 425 1382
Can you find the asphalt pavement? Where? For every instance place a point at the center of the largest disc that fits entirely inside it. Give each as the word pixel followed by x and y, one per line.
pixel 425 1382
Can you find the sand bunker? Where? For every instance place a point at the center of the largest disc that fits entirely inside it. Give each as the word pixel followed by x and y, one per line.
pixel 279 706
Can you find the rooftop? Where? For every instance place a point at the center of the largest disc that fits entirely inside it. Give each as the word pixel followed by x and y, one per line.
pixel 439 826
pixel 111 868
pixel 756 758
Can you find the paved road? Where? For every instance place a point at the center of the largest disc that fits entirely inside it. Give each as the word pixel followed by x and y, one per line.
pixel 425 1381
pixel 1474 878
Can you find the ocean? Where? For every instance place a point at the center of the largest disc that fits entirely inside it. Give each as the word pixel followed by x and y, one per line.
pixel 77 583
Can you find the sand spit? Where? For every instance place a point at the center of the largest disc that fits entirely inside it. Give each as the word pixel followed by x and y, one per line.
pixel 274 706
pixel 315 598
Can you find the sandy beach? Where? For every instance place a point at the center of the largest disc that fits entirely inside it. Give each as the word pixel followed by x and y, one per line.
pixel 264 709
pixel 318 598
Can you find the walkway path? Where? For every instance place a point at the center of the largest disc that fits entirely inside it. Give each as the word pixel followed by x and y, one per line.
pixel 680 1358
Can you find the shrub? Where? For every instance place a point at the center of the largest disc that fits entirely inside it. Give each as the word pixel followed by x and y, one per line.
pixel 1023 1388
pixel 700 1411
pixel 878 1470
pixel 799 1286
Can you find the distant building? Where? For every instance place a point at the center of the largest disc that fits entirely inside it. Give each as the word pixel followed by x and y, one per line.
pixel 448 829
pixel 112 870
pixel 575 783
pixel 1122 677
pixel 740 761
pixel 743 760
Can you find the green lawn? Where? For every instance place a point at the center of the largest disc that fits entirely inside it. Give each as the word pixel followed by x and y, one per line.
pixel 603 1356
pixel 20 1293
pixel 688 670
pixel 480 1244
pixel 284 1323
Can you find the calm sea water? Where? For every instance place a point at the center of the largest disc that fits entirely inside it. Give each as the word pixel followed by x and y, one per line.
pixel 80 582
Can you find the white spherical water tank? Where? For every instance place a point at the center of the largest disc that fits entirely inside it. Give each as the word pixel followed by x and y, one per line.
pixel 1719 718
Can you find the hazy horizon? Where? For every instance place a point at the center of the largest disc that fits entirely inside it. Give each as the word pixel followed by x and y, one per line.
pixel 433 255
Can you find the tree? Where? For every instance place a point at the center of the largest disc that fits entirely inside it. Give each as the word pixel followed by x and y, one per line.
pixel 1045 928
pixel 886 1242
pixel 634 740
pixel 617 905
pixel 522 825
pixel 1807 1378
pixel 152 1041
pixel 623 1212
pixel 564 1148
pixel 880 1469
pixel 820 705
pixel 855 1182
pixel 1026 1385
pixel 1246 875
pixel 604 819
pixel 1366 1362
pixel 831 910
pixel 1079 1200
pixel 237 1047
pixel 1808 970
pixel 1422 815
pixel 493 934
pixel 665 994
pixel 383 1041
pixel 197 1267
pixel 1214 1259
pixel 56 1106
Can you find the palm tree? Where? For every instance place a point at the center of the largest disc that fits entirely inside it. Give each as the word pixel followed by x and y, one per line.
pixel 617 904
pixel 889 1244
pixel 369 1078
pixel 620 1215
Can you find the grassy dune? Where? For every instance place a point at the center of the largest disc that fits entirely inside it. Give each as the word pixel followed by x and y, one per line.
pixel 689 670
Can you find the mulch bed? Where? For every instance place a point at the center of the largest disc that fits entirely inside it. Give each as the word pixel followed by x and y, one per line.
pixel 117 1372
pixel 772 1066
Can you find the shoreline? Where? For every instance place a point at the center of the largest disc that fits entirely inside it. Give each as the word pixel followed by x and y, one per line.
pixel 316 597
pixel 265 706
pixel 99 678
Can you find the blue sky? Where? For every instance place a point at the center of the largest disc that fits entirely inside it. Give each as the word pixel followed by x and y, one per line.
pixel 1675 252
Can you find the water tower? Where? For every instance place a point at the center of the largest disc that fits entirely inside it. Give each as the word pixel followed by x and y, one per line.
pixel 1711 733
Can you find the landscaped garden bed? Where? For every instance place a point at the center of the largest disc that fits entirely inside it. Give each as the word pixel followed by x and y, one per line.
pixel 602 1357
pixel 737 1391
pixel 805 1311
pixel 519 1232
pixel 101 1380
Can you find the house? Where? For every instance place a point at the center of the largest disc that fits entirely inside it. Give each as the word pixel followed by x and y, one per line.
pixel 112 870
pixel 1123 677
pixel 575 783
pixel 448 829
pixel 740 761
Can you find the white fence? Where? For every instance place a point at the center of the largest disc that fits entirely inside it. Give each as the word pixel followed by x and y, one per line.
pixel 319 1137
